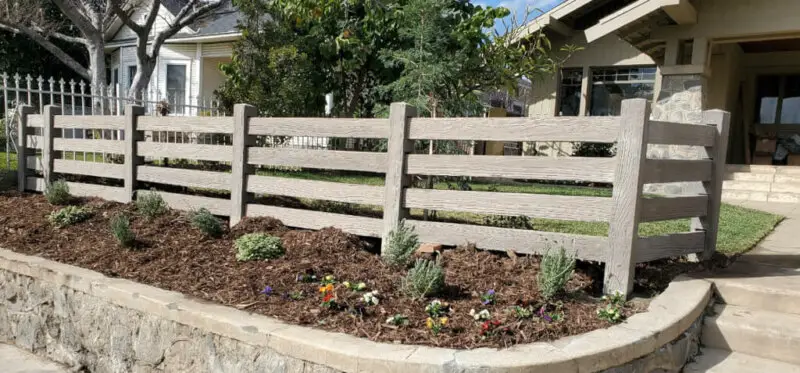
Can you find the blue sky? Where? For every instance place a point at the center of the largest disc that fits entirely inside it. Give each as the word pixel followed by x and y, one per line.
pixel 519 6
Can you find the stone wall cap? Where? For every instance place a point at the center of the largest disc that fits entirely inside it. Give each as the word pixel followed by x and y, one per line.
pixel 668 316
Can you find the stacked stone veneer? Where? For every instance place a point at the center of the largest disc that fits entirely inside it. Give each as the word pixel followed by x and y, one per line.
pixel 680 100
pixel 95 324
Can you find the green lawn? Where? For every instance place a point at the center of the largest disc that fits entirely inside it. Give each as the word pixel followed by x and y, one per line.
pixel 740 228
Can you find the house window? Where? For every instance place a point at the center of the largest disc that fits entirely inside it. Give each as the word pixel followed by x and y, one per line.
pixel 131 74
pixel 778 99
pixel 569 97
pixel 612 85
pixel 176 86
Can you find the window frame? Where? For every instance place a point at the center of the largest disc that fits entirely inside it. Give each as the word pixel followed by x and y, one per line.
pixel 594 82
pixel 782 77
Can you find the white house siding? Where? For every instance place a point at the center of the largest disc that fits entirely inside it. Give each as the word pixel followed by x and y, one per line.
pixel 218 50
pixel 212 76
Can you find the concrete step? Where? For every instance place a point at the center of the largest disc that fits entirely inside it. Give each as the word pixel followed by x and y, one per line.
pixel 759 286
pixel 762 169
pixel 719 361
pixel 750 186
pixel 752 176
pixel 743 195
pixel 765 334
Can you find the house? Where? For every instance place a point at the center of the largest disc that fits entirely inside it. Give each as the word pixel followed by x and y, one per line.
pixel 187 71
pixel 741 56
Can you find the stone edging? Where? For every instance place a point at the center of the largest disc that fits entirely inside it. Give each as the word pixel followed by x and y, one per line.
pixel 668 317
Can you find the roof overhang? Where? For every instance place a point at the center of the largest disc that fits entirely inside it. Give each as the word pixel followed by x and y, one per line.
pixel 182 40
pixel 681 11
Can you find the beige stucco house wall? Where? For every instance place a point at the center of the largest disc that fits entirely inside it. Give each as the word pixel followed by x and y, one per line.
pixel 709 54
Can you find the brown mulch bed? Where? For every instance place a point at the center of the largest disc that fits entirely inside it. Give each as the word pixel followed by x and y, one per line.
pixel 172 255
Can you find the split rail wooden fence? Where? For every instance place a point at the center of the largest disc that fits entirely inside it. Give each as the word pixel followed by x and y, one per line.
pixel 629 170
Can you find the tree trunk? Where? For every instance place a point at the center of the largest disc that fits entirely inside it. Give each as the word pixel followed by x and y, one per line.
pixel 97 71
pixel 144 71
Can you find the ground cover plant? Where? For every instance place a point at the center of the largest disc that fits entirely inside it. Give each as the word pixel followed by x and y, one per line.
pixel 461 298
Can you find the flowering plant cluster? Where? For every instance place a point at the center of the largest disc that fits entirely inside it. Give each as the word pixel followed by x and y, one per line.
pixel 437 308
pixel 436 324
pixel 521 312
pixel 549 317
pixel 481 315
pixel 371 298
pixel 488 298
pixel 328 279
pixel 306 277
pixel 328 296
pixel 493 327
pixel 397 320
pixel 612 312
pixel 355 287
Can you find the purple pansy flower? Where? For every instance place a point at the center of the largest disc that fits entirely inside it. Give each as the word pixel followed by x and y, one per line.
pixel 544 315
pixel 267 290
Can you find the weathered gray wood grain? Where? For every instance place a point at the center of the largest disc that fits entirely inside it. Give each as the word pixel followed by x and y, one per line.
pixel 25 113
pixel 678 244
pixel 132 137
pixel 308 219
pixel 183 177
pixel 222 125
pixel 718 155
pixel 99 122
pixel 675 170
pixel 589 129
pixel 681 134
pixel 322 159
pixel 219 153
pixel 89 145
pixel 187 202
pixel 110 170
pixel 240 167
pixel 324 190
pixel 397 178
pixel 514 204
pixel 518 240
pixel 49 140
pixel 34 142
pixel 623 231
pixel 321 127
pixel 673 207
pixel 533 168
pixel 35 120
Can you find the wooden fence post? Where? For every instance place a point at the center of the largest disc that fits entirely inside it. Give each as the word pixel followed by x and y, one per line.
pixel 239 167
pixel 396 178
pixel 623 234
pixel 713 188
pixel 49 133
pixel 132 136
pixel 22 145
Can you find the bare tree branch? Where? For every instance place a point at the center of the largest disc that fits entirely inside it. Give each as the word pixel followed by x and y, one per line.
pixel 183 19
pixel 77 13
pixel 126 16
pixel 60 36
pixel 50 47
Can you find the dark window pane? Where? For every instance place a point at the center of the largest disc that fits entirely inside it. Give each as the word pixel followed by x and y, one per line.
pixel 620 84
pixel 790 107
pixel 767 91
pixel 176 85
pixel 570 94
pixel 131 73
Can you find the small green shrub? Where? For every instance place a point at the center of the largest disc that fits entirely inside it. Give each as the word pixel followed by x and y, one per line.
pixel 554 272
pixel 121 229
pixel 424 279
pixel 57 193
pixel 206 222
pixel 612 312
pixel 402 242
pixel 69 215
pixel 151 205
pixel 258 246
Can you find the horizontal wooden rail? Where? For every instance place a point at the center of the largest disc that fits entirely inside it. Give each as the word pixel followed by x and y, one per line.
pixel 219 153
pixel 106 192
pixel 35 120
pixel 673 207
pixel 324 159
pixel 518 240
pixel 35 142
pixel 681 134
pixel 34 163
pixel 183 177
pixel 89 145
pixel 308 219
pixel 514 204
pixel 186 202
pixel 223 125
pixel 324 190
pixel 96 122
pixel 320 127
pixel 584 129
pixel 532 168
pixel 110 170
pixel 675 170
pixel 659 247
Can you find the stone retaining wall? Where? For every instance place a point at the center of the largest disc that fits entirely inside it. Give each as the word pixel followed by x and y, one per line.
pixel 82 319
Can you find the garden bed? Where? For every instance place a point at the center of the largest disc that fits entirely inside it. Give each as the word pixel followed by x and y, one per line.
pixel 171 254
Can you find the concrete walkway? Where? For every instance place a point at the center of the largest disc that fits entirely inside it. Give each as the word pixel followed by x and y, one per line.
pixel 14 360
pixel 755 326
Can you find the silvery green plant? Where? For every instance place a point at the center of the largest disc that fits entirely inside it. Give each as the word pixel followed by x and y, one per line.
pixel 151 204
pixel 206 222
pixel 69 215
pixel 57 193
pixel 401 245
pixel 555 270
pixel 258 246
pixel 121 229
pixel 424 279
